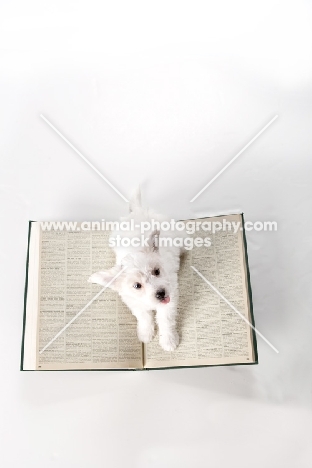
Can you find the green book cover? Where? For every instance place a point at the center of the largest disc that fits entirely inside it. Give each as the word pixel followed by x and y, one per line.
pixel 104 336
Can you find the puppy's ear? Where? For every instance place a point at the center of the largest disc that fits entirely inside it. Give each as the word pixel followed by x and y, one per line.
pixel 153 241
pixel 127 261
pixel 107 276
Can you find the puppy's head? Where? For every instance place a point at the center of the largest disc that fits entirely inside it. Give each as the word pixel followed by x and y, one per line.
pixel 141 278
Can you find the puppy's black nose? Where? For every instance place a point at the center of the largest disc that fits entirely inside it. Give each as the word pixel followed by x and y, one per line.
pixel 160 294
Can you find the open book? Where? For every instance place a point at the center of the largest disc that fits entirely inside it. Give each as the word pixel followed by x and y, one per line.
pixel 59 263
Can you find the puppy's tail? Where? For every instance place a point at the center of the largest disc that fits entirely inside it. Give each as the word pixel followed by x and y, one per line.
pixel 135 201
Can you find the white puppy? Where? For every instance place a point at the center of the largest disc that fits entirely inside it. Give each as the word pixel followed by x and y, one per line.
pixel 150 280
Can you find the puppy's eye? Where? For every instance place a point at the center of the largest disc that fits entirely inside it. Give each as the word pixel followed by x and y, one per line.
pixel 156 272
pixel 137 285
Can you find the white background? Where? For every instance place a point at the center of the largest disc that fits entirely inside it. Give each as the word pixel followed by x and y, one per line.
pixel 163 94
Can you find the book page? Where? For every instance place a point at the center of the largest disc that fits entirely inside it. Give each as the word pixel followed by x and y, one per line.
pixel 104 335
pixel 211 333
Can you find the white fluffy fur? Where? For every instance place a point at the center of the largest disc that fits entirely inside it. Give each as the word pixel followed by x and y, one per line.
pixel 141 263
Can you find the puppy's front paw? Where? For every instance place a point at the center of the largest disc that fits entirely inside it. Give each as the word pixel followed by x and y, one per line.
pixel 146 334
pixel 169 341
